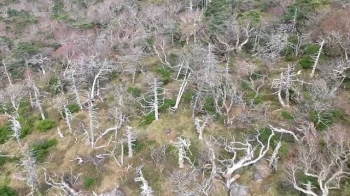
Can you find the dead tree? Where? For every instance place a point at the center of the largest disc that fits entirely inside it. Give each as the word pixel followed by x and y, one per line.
pixel 97 70
pixel 200 125
pixel 30 174
pixel 158 156
pixel 316 58
pixel 16 128
pixel 35 90
pixel 146 190
pixel 13 94
pixel 93 124
pixel 131 61
pixel 274 157
pixel 186 183
pixel 323 159
pixel 39 61
pixel 284 84
pixel 183 147
pixel 62 185
pixel 76 81
pixel 154 99
pixel 187 73
pixel 61 104
pixel 245 153
pixel 225 97
pixel 130 137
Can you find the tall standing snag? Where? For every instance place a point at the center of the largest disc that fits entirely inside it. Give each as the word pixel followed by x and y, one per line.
pixel 155 99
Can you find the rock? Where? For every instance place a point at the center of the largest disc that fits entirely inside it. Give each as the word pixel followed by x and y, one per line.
pixel 114 192
pixel 239 190
pixel 262 171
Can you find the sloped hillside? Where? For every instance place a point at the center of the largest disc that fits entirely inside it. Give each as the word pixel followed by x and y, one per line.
pixel 174 97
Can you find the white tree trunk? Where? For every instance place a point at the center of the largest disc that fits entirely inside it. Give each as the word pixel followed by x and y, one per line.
pixel 155 103
pixel 317 59
pixel 37 101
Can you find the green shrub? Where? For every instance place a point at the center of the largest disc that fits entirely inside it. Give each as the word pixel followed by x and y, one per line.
pixel 134 91
pixel 24 107
pixel 147 119
pixel 322 120
pixel 5 133
pixel 139 145
pixel 73 108
pixel 45 125
pixel 209 105
pixel 306 62
pixel 41 149
pixel 113 75
pixel 26 48
pixel 187 96
pixel 3 160
pixel 7 191
pixel 167 104
pixel 27 124
pixel 173 59
pixel 311 49
pixel 89 182
pixel 165 73
pixel 55 86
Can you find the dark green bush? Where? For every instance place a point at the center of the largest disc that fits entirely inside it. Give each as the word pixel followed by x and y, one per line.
pixel 148 119
pixel 209 105
pixel 5 133
pixel 7 191
pixel 41 149
pixel 187 96
pixel 24 108
pixel 45 125
pixel 311 49
pixel 89 182
pixel 136 92
pixel 26 48
pixel 165 73
pixel 322 120
pixel 173 59
pixel 73 108
pixel 306 62
pixel 139 145
pixel 55 86
pixel 167 104
pixel 27 124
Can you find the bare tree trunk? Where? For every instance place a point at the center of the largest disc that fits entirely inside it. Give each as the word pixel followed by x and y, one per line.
pixel 37 101
pixel 155 93
pixel 317 58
